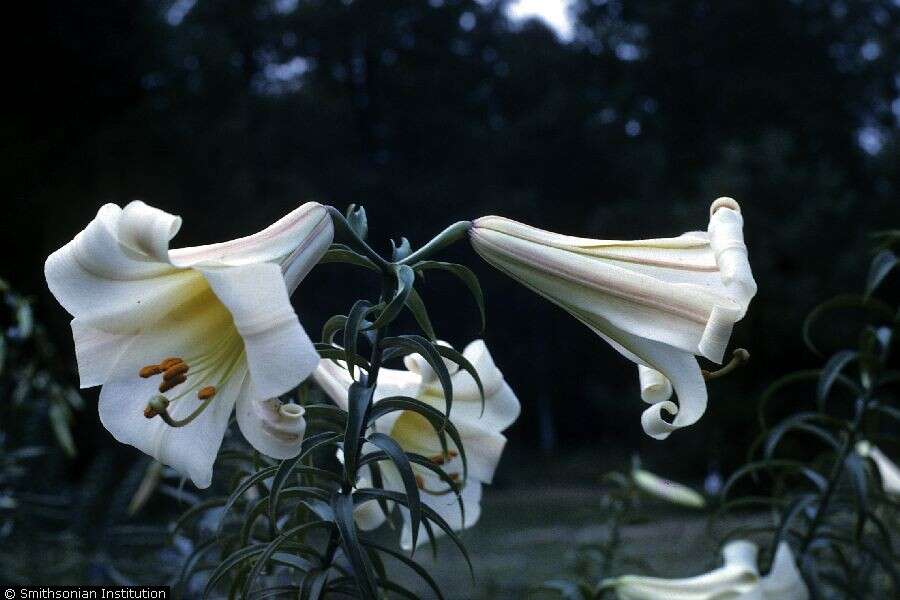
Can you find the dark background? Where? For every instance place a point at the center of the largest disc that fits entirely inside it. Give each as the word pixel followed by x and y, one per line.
pixel 233 113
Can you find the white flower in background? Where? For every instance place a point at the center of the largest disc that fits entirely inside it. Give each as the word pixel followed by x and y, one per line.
pixel 182 336
pixel 658 302
pixel 889 471
pixel 738 579
pixel 664 489
pixel 480 433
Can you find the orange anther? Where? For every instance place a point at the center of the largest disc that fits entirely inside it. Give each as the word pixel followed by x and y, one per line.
pixel 150 371
pixel 206 393
pixel 168 384
pixel 420 483
pixel 176 370
pixel 169 362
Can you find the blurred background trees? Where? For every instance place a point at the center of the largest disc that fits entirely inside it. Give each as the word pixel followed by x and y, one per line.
pixel 628 125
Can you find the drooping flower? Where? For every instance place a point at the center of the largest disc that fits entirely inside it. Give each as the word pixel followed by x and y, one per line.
pixel 738 579
pixel 887 469
pixel 667 490
pixel 659 302
pixel 479 432
pixel 184 335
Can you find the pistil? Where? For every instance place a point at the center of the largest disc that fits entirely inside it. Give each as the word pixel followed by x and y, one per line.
pixel 738 358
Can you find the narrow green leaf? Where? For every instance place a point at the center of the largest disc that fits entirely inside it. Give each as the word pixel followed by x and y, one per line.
pixel 347 256
pixel 194 511
pixel 465 365
pixel 416 567
pixel 429 514
pixel 798 422
pixel 846 301
pixel 795 509
pixel 351 330
pixel 416 344
pixel 273 546
pixel 420 313
pixel 331 327
pixel 398 456
pixel 405 277
pixel 835 365
pixel 435 417
pixel 771 464
pixel 362 568
pixel 281 475
pixel 239 491
pixel 466 275
pixel 314 585
pixel 359 399
pixel 233 560
pixel 883 263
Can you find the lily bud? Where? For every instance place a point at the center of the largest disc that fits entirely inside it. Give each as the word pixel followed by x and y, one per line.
pixel 274 428
pixel 887 469
pixel 659 302
pixel 669 491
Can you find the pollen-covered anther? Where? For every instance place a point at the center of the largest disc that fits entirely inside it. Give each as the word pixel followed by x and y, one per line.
pixel 420 482
pixel 176 370
pixel 170 362
pixel 453 476
pixel 207 392
pixel 150 371
pixel 168 384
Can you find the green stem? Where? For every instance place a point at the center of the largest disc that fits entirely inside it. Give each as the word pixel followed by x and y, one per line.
pixel 448 236
pixel 341 224
pixel 836 472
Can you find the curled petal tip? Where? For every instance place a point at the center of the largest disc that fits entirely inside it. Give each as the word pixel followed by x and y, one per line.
pixel 724 202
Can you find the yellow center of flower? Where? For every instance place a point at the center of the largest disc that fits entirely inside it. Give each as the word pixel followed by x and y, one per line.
pixel 215 366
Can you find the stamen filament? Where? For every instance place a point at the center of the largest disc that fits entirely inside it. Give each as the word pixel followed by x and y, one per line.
pixel 164 414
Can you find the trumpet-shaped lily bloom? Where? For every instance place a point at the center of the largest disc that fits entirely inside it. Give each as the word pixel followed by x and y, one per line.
pixel 887 469
pixel 480 433
pixel 179 337
pixel 659 302
pixel 664 489
pixel 738 579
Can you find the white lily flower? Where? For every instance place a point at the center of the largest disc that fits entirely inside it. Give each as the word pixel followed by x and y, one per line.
pixel 667 490
pixel 889 471
pixel 658 302
pixel 480 433
pixel 213 324
pixel 738 579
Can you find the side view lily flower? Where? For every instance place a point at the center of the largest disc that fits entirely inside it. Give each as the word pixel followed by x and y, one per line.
pixel 738 579
pixel 667 490
pixel 887 469
pixel 659 302
pixel 479 432
pixel 179 337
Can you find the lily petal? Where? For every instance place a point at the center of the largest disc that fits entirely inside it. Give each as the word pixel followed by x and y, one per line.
pixel 447 506
pixel 190 449
pixel 279 353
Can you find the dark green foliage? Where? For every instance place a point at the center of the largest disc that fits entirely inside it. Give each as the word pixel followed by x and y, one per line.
pixel 829 503
pixel 37 407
